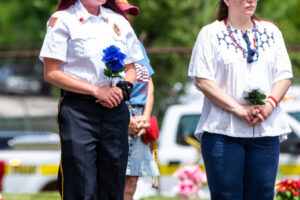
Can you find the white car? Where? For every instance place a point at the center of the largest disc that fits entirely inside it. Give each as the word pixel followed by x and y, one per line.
pixel 30 164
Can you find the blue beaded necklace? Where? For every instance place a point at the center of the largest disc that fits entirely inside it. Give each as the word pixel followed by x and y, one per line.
pixel 249 53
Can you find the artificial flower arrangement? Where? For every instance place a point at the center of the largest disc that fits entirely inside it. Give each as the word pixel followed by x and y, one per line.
pixel 191 178
pixel 288 190
pixel 114 62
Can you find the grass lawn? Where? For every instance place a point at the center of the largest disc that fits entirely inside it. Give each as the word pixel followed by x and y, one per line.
pixel 164 198
pixel 55 196
pixel 40 196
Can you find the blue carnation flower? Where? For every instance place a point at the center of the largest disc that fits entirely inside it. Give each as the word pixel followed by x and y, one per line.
pixel 116 65
pixel 114 62
pixel 113 54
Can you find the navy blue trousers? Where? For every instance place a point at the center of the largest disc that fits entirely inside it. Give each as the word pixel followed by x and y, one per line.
pixel 94 149
pixel 240 168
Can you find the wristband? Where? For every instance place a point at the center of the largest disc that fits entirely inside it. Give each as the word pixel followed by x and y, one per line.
pixel 127 88
pixel 271 102
pixel 274 100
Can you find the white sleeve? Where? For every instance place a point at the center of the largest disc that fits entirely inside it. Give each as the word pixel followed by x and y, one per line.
pixel 283 63
pixel 202 60
pixel 56 39
pixel 134 52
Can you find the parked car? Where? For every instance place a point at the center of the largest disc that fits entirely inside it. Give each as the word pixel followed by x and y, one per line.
pixel 30 163
pixel 17 79
pixel 5 136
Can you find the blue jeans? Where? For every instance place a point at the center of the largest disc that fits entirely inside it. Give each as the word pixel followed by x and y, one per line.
pixel 240 168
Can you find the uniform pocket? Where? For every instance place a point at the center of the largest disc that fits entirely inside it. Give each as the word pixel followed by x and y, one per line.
pixel 91 47
pixel 84 45
pixel 76 47
pixel 120 42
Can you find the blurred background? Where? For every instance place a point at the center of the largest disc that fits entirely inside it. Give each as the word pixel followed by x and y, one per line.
pixel 28 105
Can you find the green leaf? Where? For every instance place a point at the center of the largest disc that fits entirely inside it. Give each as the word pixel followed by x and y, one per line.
pixel 288 194
pixel 121 70
pixel 255 97
pixel 295 198
pixel 107 73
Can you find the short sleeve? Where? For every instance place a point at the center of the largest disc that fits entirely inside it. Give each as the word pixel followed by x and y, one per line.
pixel 202 59
pixel 146 61
pixel 283 63
pixel 134 52
pixel 55 42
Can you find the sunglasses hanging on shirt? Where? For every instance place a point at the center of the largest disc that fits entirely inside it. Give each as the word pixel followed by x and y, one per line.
pixel 250 52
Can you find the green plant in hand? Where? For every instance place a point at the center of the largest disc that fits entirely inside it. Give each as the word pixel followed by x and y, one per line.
pixel 255 98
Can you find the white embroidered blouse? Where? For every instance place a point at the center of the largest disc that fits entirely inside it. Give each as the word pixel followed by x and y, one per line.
pixel 216 57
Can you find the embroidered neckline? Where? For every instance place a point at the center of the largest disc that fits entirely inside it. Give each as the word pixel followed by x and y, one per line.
pixel 249 53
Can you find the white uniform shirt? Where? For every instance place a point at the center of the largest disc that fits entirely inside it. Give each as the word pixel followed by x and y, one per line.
pixel 78 38
pixel 216 57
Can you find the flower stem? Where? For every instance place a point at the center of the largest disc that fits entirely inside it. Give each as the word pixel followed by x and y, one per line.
pixel 110 81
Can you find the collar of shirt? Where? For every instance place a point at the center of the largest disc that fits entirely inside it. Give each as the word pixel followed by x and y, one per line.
pixel 83 14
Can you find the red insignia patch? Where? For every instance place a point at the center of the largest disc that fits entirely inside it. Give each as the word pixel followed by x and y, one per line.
pixel 52 21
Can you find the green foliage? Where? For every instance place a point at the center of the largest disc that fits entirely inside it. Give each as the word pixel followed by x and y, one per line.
pixel 168 23
pixel 23 23
pixel 256 98
pixel 286 196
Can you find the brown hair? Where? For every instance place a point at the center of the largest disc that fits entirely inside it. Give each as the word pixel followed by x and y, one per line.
pixel 222 12
pixel 111 4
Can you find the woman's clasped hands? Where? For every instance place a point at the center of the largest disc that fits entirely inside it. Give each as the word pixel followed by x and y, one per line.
pixel 138 126
pixel 258 113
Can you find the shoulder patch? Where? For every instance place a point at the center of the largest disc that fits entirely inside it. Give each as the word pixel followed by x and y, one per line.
pixel 52 21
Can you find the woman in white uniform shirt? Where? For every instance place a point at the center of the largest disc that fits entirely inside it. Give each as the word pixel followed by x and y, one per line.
pixel 235 54
pixel 93 118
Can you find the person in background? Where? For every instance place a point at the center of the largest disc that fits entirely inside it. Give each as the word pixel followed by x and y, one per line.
pixel 93 117
pixel 140 159
pixel 236 54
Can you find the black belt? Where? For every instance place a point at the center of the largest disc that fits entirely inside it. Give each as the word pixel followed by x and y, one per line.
pixel 137 105
pixel 66 93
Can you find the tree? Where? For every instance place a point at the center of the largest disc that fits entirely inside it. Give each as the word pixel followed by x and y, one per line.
pixel 168 23
pixel 23 23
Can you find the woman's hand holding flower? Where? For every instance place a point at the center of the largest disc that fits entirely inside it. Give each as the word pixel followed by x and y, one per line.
pixel 245 112
pixel 109 96
pixel 262 112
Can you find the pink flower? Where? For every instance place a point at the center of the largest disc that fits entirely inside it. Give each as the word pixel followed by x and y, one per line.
pixel 191 172
pixel 186 188
pixel 190 178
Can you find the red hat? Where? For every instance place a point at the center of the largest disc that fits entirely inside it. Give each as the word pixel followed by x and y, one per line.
pixel 125 6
